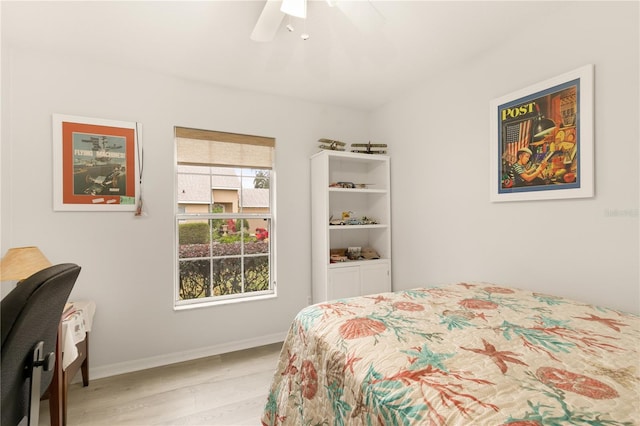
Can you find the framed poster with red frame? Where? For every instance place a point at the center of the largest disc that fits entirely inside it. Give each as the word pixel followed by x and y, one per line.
pixel 95 164
pixel 541 140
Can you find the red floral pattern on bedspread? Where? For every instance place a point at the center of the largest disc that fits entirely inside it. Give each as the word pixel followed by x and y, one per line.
pixel 361 327
pixel 464 354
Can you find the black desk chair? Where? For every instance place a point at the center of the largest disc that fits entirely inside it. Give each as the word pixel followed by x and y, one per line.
pixel 31 314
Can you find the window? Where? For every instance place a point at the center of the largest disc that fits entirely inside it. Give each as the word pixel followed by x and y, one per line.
pixel 224 222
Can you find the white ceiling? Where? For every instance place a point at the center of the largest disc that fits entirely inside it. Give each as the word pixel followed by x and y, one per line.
pixel 360 53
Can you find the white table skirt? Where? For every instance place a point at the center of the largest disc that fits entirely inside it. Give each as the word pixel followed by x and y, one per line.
pixel 75 326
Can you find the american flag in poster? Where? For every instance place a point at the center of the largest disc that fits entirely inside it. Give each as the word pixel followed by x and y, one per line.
pixel 517 135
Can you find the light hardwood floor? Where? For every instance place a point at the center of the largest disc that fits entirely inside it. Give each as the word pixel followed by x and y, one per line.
pixel 223 390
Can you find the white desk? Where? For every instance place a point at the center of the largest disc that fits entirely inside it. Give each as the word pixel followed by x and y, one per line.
pixel 72 354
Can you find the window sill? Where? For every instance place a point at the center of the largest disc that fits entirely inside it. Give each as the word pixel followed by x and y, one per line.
pixel 211 303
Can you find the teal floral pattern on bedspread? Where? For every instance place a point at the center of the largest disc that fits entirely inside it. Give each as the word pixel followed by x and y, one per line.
pixel 464 354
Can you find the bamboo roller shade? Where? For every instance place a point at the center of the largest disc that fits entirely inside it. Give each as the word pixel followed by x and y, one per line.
pixel 212 148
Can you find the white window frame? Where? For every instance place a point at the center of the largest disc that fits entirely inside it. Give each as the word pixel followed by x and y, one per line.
pixel 233 298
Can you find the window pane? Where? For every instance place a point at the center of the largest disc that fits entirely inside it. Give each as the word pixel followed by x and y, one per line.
pixel 227 276
pixel 228 237
pixel 194 237
pixel 256 273
pixel 194 191
pixel 259 243
pixel 256 178
pixel 194 279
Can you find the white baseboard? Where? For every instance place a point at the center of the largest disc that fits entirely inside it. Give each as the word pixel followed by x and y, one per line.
pixel 172 358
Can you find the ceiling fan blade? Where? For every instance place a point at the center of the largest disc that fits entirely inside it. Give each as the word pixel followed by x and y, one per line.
pixel 268 22
pixel 297 8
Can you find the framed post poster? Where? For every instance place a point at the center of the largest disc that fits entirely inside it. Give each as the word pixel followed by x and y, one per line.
pixel 541 141
pixel 95 164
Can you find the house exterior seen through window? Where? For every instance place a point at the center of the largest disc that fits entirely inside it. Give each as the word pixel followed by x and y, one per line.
pixel 224 222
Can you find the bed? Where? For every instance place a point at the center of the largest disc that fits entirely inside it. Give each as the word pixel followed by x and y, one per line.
pixel 462 354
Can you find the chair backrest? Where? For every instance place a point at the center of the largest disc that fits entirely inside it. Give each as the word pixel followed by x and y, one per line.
pixel 30 313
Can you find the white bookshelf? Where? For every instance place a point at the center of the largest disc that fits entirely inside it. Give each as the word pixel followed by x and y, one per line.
pixel 370 198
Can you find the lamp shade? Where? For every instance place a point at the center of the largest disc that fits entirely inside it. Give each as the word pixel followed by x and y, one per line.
pixel 22 262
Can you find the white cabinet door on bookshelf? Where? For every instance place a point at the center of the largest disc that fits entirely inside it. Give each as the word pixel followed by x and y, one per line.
pixel 361 279
pixel 375 278
pixel 343 283
pixel 358 186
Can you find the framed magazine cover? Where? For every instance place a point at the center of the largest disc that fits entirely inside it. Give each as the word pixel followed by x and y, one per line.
pixel 95 164
pixel 541 141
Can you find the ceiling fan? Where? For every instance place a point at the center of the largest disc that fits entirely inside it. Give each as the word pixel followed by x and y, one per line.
pixel 272 15
pixel 363 15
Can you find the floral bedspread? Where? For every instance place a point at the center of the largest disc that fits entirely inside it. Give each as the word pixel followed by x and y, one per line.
pixel 464 354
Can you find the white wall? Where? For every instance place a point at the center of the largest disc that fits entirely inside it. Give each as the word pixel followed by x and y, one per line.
pixel 127 262
pixel 445 228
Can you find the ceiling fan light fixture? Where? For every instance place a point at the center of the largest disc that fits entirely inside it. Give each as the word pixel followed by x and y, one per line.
pixel 297 8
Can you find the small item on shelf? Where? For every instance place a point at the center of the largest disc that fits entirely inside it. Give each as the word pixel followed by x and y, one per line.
pixel 353 221
pixel 348 219
pixel 368 221
pixel 335 258
pixel 331 144
pixel 353 253
pixel 349 185
pixel 369 253
pixel 338 255
pixel 342 185
pixel 369 148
